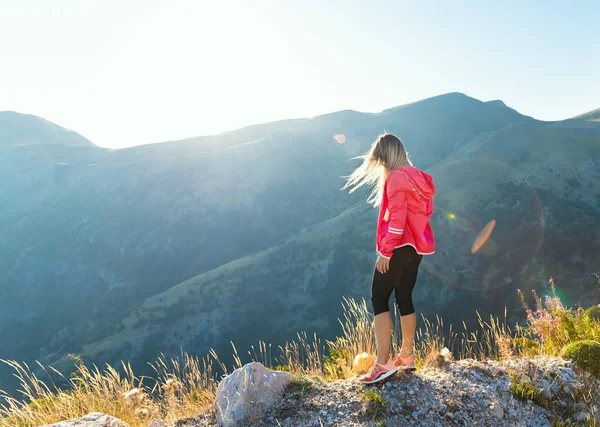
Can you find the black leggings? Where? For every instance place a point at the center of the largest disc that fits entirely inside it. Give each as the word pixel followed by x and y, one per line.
pixel 401 277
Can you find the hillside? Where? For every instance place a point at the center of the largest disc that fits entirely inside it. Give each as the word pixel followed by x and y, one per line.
pixel 122 254
pixel 24 129
pixel 593 116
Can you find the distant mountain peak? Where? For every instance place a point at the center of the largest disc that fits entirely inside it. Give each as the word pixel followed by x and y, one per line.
pixel 498 102
pixel 24 129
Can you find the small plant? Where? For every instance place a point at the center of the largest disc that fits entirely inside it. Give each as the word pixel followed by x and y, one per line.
pixel 585 354
pixel 435 359
pixel 453 406
pixel 375 404
pixel 524 389
pixel 301 386
pixel 557 422
pixel 555 325
pixel 526 346
pixel 483 371
pixel 337 365
pixel 593 313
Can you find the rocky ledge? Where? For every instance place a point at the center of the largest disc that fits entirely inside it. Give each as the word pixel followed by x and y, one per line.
pixel 538 391
pixel 535 391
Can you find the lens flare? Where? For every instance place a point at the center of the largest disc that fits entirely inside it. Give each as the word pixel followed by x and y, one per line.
pixel 472 192
pixel 483 236
pixel 340 138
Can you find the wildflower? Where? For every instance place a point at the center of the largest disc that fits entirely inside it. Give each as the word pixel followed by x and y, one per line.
pixel 134 397
pixel 143 412
pixel 171 385
pixel 446 354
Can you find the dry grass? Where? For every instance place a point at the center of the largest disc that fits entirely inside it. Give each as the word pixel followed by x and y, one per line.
pixel 182 388
pixel 186 386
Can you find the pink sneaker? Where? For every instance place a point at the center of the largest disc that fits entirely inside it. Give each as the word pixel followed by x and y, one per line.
pixel 379 372
pixel 406 363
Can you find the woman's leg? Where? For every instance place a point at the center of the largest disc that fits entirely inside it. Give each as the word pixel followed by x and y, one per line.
pixel 383 286
pixel 403 292
pixel 409 327
pixel 383 333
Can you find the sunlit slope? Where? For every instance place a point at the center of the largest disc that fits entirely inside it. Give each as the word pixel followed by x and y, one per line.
pixel 534 194
pixel 593 116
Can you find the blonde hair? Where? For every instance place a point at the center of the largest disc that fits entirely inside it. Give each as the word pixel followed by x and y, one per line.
pixel 386 154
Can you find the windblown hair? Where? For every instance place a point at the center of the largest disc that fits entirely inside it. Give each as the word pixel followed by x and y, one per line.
pixel 386 154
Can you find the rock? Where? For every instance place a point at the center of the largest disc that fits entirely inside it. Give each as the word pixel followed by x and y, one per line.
pixel 546 389
pixel 247 393
pixel 93 419
pixel 581 416
pixel 159 423
pixel 496 410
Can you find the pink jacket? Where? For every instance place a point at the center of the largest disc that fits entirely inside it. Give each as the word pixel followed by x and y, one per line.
pixel 405 210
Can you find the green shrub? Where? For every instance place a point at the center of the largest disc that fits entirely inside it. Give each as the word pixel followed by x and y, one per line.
pixel 338 364
pixel 585 354
pixel 375 404
pixel 593 313
pixel 524 389
pixel 300 386
pixel 527 346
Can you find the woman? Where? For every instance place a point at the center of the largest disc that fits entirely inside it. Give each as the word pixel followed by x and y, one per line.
pixel 404 235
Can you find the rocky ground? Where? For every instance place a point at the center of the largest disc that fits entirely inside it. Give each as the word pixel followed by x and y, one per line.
pixel 538 391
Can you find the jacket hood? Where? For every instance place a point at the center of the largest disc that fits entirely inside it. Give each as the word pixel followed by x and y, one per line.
pixel 421 180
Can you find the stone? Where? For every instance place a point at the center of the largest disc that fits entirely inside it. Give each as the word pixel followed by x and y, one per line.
pixel 496 410
pixel 546 389
pixel 159 423
pixel 581 416
pixel 93 419
pixel 247 393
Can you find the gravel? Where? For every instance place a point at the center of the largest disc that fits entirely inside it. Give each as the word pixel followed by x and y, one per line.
pixel 461 393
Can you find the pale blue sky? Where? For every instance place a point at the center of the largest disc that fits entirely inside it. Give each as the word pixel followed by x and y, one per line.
pixel 130 72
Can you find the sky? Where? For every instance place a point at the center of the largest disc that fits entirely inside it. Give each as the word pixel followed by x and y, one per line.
pixel 131 72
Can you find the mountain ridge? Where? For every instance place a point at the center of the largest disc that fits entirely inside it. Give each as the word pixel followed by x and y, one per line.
pixel 277 124
pixel 36 130
pixel 593 115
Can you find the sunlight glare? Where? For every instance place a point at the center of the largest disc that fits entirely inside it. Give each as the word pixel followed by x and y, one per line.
pixel 483 236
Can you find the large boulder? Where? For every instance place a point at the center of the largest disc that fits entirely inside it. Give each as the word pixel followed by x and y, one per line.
pixel 247 393
pixel 93 419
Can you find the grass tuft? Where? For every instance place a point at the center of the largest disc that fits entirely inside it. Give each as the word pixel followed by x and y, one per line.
pixel 375 404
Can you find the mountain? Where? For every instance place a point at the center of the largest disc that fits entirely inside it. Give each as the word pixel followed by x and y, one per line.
pixel 123 254
pixel 593 116
pixel 24 129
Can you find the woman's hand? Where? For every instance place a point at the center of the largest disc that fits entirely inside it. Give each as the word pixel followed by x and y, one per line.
pixel 383 264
